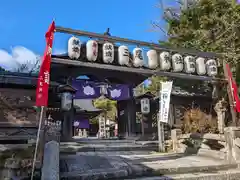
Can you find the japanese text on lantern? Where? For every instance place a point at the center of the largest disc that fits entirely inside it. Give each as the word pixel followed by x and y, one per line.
pixel 94 46
pixel 126 52
pixel 108 50
pixel 139 54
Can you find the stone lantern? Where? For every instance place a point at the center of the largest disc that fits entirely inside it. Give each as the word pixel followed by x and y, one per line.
pixel 67 92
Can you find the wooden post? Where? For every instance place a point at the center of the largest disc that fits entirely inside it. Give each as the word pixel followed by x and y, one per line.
pixel 160 136
pixel 230 97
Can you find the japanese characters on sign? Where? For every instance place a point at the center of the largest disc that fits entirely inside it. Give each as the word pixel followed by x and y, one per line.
pixel 138 60
pixel 164 101
pixel 74 48
pixel 177 63
pixel 145 105
pixel 189 64
pixel 43 80
pixel 108 52
pixel 166 61
pixel 92 50
pixel 44 73
pixel 211 67
pixel 123 55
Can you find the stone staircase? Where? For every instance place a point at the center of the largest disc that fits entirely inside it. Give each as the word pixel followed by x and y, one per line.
pixel 143 165
pixel 106 145
pixel 129 159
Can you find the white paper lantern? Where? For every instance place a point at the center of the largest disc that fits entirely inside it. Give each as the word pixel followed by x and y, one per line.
pixel 152 59
pixel 177 63
pixel 189 64
pixel 200 66
pixel 74 48
pixel 123 55
pixel 108 52
pixel 138 60
pixel 92 50
pixel 145 105
pixel 211 65
pixel 165 63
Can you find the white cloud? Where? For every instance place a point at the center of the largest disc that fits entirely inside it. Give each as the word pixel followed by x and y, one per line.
pixel 19 56
pixel 59 51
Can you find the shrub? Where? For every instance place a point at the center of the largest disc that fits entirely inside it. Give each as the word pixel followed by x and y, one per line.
pixel 195 120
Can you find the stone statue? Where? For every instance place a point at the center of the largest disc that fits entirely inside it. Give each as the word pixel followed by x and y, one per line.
pixel 221 108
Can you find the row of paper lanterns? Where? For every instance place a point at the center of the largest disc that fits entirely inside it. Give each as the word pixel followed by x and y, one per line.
pixel 165 61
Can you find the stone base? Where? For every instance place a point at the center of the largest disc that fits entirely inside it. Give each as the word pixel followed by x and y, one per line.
pixel 96 166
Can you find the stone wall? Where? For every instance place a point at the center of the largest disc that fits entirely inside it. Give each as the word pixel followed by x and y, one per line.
pixel 16 161
pixel 213 145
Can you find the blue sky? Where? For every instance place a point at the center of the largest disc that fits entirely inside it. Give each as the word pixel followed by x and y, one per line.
pixel 23 23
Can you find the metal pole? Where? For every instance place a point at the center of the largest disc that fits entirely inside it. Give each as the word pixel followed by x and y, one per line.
pixel 37 141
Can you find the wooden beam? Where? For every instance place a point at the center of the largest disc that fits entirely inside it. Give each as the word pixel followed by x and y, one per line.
pixel 147 72
pixel 142 43
pixel 102 66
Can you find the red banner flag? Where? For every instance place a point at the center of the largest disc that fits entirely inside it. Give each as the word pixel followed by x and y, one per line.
pixel 44 73
pixel 234 89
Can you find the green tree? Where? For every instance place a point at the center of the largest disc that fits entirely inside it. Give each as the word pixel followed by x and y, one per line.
pixel 154 87
pixel 107 106
pixel 209 25
pixel 205 25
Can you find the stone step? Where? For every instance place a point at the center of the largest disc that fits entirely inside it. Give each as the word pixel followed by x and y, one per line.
pixel 102 141
pixel 212 153
pixel 73 148
pixel 133 170
pixel 231 174
pixel 196 169
pixel 147 174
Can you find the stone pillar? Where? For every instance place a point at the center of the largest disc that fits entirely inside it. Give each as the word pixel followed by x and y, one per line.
pixel 229 138
pixel 220 108
pixel 50 169
pixel 232 135
pixel 174 137
pixel 67 126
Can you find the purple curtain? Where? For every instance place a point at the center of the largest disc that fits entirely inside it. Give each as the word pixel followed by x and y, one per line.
pixel 119 92
pixel 86 90
pixel 83 123
pixel 90 90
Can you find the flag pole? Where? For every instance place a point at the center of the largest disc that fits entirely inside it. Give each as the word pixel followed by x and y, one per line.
pixel 230 95
pixel 37 141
